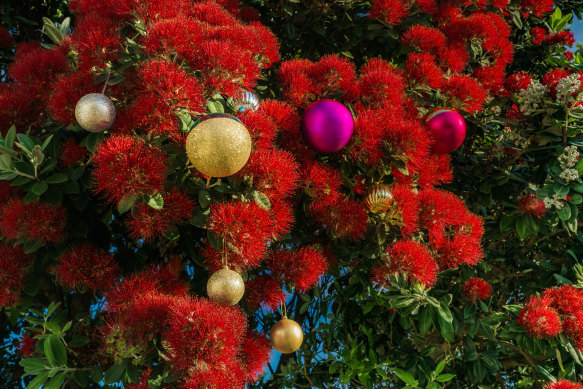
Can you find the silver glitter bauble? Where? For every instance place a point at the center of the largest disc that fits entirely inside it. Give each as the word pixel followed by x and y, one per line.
pixel 225 287
pixel 95 112
pixel 245 101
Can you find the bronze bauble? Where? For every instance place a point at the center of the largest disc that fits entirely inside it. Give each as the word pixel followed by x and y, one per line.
pixel 219 146
pixel 286 336
pixel 225 287
pixel 379 199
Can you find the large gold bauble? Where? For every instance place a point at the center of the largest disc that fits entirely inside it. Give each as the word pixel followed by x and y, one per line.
pixel 225 287
pixel 286 336
pixel 219 146
pixel 379 199
pixel 95 112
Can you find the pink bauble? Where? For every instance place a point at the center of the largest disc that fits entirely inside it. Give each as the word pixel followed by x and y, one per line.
pixel 448 128
pixel 327 126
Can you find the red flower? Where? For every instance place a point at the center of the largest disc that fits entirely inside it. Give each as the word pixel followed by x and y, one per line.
pixel 380 84
pixel 148 223
pixel 72 153
pixel 532 205
pixel 245 229
pixel 261 128
pixel 464 92
pixel 255 354
pixel 13 263
pixel 272 172
pixel 567 299
pixel 573 327
pixel 32 221
pixel 264 291
pixel 126 167
pixel 26 345
pixel 477 289
pixel 388 11
pixel 563 384
pixel 425 39
pixel 282 218
pixel 537 7
pixel 563 38
pixel 86 267
pixel 517 81
pixel 409 260
pixel 569 55
pixel 552 78
pixel 66 92
pixel 6 39
pixel 341 217
pixel 421 68
pixel 302 267
pixel 537 35
pixel 539 319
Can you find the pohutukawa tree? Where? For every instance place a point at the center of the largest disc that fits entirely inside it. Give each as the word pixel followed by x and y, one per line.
pixel 177 200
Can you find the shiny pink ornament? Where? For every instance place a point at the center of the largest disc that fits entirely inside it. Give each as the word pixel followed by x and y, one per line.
pixel 448 128
pixel 327 126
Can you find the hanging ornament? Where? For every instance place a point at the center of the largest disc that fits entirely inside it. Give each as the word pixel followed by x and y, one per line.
pixel 379 199
pixel 327 126
pixel 245 101
pixel 219 145
pixel 286 336
pixel 95 112
pixel 225 287
pixel 448 128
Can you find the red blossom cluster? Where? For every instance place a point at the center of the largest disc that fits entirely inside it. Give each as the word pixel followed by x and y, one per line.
pixel 563 384
pixel 26 345
pixel 477 289
pixel 13 266
pixel 207 344
pixel 557 310
pixel 532 205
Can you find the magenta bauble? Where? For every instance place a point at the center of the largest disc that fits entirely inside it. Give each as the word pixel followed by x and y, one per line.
pixel 327 126
pixel 448 129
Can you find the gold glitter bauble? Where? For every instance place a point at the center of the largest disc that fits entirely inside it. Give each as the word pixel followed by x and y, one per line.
pixel 379 199
pixel 286 336
pixel 225 287
pixel 95 112
pixel 219 146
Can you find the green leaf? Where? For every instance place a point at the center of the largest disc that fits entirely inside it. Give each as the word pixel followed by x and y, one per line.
pixel 215 241
pixel 261 200
pixel 522 229
pixel 470 353
pixel 33 366
pixel 508 222
pixel 55 382
pixel 39 188
pixel 126 202
pixel 5 162
pixel 564 213
pixel 156 201
pixel 81 377
pixel 114 373
pixel 58 178
pixel 10 138
pixel 25 141
pixel 38 381
pixel 439 367
pixel 445 328
pixel 215 107
pixel 445 313
pixel 53 32
pixel 425 319
pixel 514 308
pixel 79 341
pixel 545 373
pixel 204 198
pixel 444 377
pixel 55 351
pixel 406 377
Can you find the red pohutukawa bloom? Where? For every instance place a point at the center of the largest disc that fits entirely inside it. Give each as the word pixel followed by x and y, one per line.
pixel 421 68
pixel 32 221
pixel 477 289
pixel 408 260
pixel 256 351
pixel 264 291
pixel 245 229
pixel 6 39
pixel 126 167
pixel 537 7
pixel 301 268
pixel 564 38
pixel 86 267
pixel 388 11
pixel 71 153
pixel 567 299
pixel 149 223
pixel 563 384
pixel 13 263
pixel 540 319
pixel 26 345
pixel 537 35
pixel 532 205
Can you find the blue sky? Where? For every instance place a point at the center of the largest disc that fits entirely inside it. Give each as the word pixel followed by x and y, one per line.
pixel 577 29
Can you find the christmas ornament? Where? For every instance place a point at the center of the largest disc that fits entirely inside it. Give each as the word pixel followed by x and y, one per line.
pixel 245 101
pixel 448 128
pixel 286 336
pixel 327 126
pixel 95 112
pixel 379 199
pixel 225 287
pixel 219 145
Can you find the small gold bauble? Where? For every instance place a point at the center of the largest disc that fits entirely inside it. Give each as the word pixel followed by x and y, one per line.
pixel 95 112
pixel 379 199
pixel 286 336
pixel 219 146
pixel 225 287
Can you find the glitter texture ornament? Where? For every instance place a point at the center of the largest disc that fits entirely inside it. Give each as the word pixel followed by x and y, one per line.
pixel 379 199
pixel 245 101
pixel 327 126
pixel 95 112
pixel 286 336
pixel 219 145
pixel 225 287
pixel 448 128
